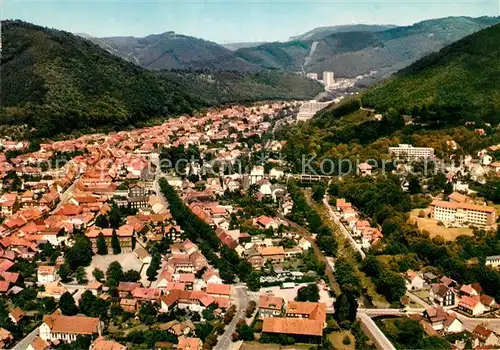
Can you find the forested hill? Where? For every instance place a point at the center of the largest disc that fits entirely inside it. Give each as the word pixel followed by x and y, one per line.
pixel 441 92
pixel 57 82
pixel 462 81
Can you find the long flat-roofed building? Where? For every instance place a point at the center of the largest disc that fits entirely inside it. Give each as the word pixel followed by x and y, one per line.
pixel 463 213
pixel 408 151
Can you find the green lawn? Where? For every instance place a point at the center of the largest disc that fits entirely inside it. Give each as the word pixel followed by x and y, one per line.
pixel 337 340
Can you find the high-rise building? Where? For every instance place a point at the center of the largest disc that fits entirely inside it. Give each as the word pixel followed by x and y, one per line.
pixel 328 78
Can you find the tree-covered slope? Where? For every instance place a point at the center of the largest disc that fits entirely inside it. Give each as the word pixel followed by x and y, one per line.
pixel 57 82
pixel 351 53
pixel 440 92
pixel 174 51
pixel 463 79
pixel 287 56
pixel 321 32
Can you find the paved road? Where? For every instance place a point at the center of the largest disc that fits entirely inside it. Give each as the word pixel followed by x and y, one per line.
pixel 23 344
pixel 471 323
pixel 155 160
pixel 241 302
pixel 65 195
pixel 342 228
pixel 391 312
pixel 374 332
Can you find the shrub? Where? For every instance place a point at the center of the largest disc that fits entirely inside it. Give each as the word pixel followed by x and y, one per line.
pixel 346 340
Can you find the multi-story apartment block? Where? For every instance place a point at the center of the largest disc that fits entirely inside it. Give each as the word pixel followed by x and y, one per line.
pixel 463 213
pixel 408 151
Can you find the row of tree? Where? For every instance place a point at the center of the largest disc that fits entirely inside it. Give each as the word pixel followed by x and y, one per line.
pixel 229 264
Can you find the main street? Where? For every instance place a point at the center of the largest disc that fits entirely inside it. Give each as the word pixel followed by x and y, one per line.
pixel 241 298
pixel 66 194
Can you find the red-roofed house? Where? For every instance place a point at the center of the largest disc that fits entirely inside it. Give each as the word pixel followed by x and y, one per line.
pixel 472 306
pixel 219 290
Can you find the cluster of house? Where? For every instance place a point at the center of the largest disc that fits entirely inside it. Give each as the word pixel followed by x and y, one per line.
pixel 51 201
pixel 304 321
pixel 259 251
pixel 57 328
pixel 479 167
pixel 359 229
pixel 469 299
pixel 186 281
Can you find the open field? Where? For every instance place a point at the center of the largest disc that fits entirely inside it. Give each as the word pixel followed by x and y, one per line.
pixel 337 337
pixel 434 229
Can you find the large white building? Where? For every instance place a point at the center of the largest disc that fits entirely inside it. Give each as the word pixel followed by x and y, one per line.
pixel 408 151
pixel 68 328
pixel 308 109
pixel 460 213
pixel 328 78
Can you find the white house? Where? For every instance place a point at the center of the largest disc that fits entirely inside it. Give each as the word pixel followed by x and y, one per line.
pixel 46 274
pixel 493 261
pixel 414 280
pixel 304 244
pixel 212 277
pixel 472 306
pixel 68 328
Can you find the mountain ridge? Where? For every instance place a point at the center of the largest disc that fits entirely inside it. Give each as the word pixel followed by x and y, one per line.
pixel 170 50
pixel 57 82
pixel 321 32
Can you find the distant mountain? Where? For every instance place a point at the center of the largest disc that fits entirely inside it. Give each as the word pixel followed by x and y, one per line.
pixel 391 50
pixel 321 32
pixel 350 54
pixel 237 46
pixel 57 82
pixel 441 92
pixel 462 81
pixel 287 56
pixel 173 51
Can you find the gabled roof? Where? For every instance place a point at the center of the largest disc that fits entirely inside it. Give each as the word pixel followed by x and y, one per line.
pixel 218 288
pixel 270 302
pixel 59 323
pixel 102 344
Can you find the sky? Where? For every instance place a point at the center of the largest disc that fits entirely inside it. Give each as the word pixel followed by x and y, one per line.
pixel 234 20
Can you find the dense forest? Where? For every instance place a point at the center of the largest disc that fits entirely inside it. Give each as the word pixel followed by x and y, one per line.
pixel 427 104
pixel 462 81
pixel 57 82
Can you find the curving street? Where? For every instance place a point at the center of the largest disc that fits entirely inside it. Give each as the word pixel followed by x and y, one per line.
pixel 241 302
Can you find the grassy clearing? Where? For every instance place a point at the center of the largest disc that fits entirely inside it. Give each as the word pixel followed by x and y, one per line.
pixel 434 229
pixel 337 340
